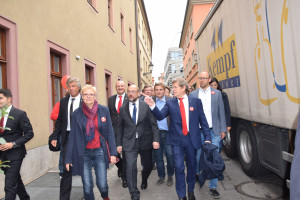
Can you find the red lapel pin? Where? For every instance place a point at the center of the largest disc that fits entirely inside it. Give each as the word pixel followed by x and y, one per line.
pixel 103 119
pixel 212 92
pixel 191 108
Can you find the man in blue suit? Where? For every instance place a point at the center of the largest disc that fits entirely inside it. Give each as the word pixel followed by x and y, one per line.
pixel 213 107
pixel 186 113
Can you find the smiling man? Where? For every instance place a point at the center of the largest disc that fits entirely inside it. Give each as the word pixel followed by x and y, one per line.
pixel 17 132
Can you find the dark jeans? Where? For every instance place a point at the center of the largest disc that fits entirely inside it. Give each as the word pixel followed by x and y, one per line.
pixel 164 148
pixel 94 158
pixel 13 182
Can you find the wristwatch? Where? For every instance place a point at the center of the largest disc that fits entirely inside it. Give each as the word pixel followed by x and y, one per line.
pixel 14 145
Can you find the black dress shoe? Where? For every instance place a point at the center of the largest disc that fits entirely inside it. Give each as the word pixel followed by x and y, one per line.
pixel 124 183
pixel 144 186
pixel 184 198
pixel 191 196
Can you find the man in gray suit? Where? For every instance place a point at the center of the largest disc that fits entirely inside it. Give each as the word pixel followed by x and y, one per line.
pixel 137 133
pixel 213 107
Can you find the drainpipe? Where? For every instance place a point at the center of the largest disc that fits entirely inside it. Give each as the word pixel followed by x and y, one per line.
pixel 137 44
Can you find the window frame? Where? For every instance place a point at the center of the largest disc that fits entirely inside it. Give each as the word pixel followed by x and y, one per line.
pixel 3 60
pixel 122 20
pixel 54 75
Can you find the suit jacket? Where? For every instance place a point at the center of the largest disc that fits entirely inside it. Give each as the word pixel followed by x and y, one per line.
pixel 61 123
pixel 76 141
pixel 196 116
pixel 146 127
pixel 115 118
pixel 217 110
pixel 227 109
pixel 21 132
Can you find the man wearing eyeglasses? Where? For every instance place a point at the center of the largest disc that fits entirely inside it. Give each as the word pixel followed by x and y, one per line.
pixel 137 133
pixel 213 107
pixel 68 105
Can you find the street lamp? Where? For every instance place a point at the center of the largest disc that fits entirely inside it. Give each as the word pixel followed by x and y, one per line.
pixel 151 68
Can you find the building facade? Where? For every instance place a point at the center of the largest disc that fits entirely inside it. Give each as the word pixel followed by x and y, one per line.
pixel 145 45
pixel 173 65
pixel 41 41
pixel 195 13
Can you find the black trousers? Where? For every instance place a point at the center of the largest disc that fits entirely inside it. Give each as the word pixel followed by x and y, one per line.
pixel 121 165
pixel 66 180
pixel 13 182
pixel 131 171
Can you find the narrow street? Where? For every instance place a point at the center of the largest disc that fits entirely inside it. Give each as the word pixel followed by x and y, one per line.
pixel 235 186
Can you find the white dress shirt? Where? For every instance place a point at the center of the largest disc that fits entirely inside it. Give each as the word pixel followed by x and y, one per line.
pixel 118 99
pixel 137 112
pixel 76 104
pixel 185 101
pixel 205 96
pixel 6 116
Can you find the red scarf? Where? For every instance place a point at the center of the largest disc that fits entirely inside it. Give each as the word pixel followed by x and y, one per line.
pixel 90 124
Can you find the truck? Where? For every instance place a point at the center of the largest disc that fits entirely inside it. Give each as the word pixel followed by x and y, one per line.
pixel 253 48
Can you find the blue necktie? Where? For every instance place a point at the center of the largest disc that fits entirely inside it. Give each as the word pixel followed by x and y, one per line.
pixel 134 113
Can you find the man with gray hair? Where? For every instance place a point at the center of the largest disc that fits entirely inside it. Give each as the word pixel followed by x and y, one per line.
pixel 68 105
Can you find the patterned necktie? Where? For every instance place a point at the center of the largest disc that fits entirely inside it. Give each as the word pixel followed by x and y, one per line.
pixel 134 113
pixel 119 104
pixel 2 124
pixel 71 109
pixel 182 111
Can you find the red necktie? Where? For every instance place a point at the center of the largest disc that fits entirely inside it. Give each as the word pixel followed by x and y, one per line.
pixel 182 111
pixel 120 104
pixel 2 124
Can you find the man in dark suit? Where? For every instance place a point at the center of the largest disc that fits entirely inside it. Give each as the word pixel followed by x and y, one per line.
pixel 164 148
pixel 215 114
pixel 137 134
pixel 68 105
pixel 114 104
pixel 186 113
pixel 16 130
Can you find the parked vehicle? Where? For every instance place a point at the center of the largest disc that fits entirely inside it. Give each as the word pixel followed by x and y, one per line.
pixel 253 48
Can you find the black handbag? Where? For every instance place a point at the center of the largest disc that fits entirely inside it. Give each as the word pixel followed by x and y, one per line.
pixel 51 147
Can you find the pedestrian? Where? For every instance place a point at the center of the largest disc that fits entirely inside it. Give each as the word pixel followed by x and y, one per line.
pixel 214 83
pixel 114 104
pixel 213 107
pixel 62 129
pixel 91 128
pixel 137 134
pixel 186 113
pixel 164 148
pixel 16 131
pixel 295 173
pixel 168 92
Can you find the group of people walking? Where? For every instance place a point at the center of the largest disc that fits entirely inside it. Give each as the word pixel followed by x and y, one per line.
pixel 151 125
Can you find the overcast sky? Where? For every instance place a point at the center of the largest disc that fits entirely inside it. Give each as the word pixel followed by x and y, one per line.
pixel 165 19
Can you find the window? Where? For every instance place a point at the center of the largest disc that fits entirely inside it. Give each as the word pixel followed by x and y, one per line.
pixel 110 13
pixel 3 61
pixel 56 75
pixel 108 86
pixel 130 39
pixel 122 29
pixel 93 3
pixel 191 28
pixel 89 72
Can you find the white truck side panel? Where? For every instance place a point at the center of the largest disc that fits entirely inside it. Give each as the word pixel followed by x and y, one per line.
pixel 253 49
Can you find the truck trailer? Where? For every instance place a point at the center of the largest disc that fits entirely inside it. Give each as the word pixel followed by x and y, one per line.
pixel 253 48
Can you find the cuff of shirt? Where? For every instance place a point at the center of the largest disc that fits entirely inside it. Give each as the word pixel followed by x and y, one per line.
pixel 152 107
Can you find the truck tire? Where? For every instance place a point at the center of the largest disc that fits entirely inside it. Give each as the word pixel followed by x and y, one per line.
pixel 229 143
pixel 247 149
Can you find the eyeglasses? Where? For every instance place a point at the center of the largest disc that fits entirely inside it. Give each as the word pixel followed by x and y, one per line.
pixel 203 78
pixel 88 95
pixel 132 92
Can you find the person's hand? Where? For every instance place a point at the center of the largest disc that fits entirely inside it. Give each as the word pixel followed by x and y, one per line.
pixel 148 100
pixel 6 146
pixel 54 143
pixel 222 135
pixel 207 141
pixel 68 166
pixel 113 159
pixel 119 149
pixel 155 145
pixel 228 128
